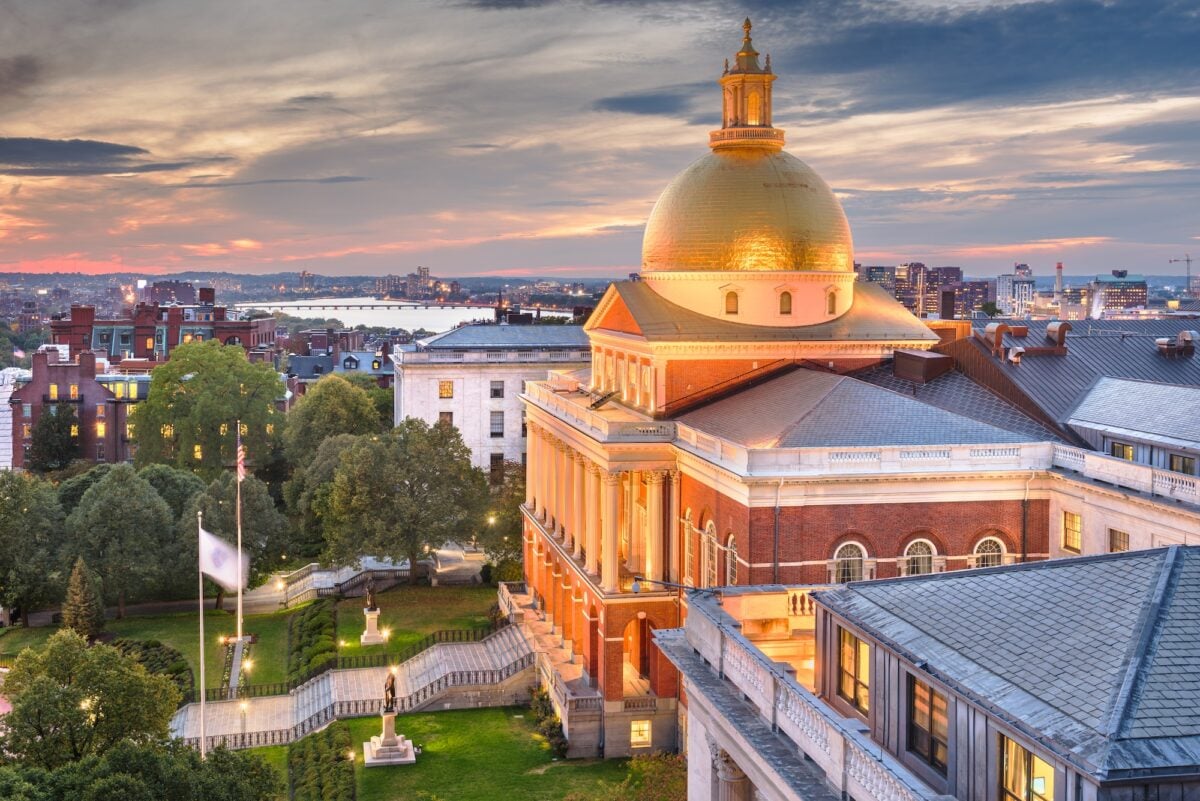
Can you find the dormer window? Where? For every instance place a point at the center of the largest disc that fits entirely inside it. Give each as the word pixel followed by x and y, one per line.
pixel 350 363
pixel 731 303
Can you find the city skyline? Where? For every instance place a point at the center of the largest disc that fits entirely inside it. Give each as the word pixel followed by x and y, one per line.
pixel 532 138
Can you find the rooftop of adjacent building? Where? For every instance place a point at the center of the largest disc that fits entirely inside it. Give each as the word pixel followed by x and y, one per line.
pixel 487 336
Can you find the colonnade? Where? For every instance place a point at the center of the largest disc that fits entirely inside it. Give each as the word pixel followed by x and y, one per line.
pixel 593 510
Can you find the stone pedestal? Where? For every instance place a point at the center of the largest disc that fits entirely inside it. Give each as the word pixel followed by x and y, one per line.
pixel 371 636
pixel 388 748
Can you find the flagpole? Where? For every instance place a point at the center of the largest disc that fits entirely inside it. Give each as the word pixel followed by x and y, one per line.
pixel 199 526
pixel 241 469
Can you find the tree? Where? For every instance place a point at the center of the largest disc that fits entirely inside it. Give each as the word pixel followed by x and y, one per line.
pixel 188 417
pixel 990 309
pixel 383 399
pixel 31 523
pixel 397 492
pixel 120 528
pixel 55 442
pixel 331 406
pixel 71 491
pixel 307 494
pixel 70 701
pixel 83 611
pixel 176 487
pixel 265 532
pixel 502 535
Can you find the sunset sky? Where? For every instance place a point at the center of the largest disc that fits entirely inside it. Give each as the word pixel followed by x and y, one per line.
pixel 526 137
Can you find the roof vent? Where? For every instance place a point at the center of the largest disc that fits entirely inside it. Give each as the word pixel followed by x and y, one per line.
pixel 1186 342
pixel 994 334
pixel 1014 355
pixel 1057 331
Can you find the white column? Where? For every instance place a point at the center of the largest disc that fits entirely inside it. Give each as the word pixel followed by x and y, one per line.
pixel 568 499
pixel 560 496
pixel 609 565
pixel 530 466
pixel 674 556
pixel 579 476
pixel 592 560
pixel 655 483
pixel 543 489
pixel 732 784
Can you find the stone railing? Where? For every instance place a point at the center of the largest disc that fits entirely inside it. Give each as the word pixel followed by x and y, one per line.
pixel 841 748
pixel 508 604
pixel 531 355
pixel 574 409
pixel 1131 475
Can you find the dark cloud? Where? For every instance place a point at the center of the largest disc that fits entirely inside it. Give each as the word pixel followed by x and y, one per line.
pixel 480 146
pixel 66 157
pixel 568 203
pixel 332 179
pixel 303 100
pixel 17 73
pixel 671 101
pixel 506 5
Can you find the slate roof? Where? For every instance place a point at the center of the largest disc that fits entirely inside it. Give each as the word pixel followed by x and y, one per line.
pixel 306 366
pixel 1098 657
pixel 486 336
pixel 365 359
pixel 874 315
pixel 806 408
pixel 957 393
pixel 1095 349
pixel 1117 404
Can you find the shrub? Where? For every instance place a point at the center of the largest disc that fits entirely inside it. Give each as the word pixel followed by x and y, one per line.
pixel 311 638
pixel 546 721
pixel 321 766
pixel 161 659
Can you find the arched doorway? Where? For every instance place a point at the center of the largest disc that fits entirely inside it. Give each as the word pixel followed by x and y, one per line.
pixel 635 656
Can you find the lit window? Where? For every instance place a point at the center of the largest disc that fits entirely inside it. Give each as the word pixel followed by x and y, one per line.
pixel 149 343
pixel 731 303
pixel 224 429
pixel 1182 464
pixel 753 109
pixel 445 389
pixel 133 391
pixel 197 452
pixel 918 558
pixel 497 389
pixel 1118 541
pixel 928 724
pixel 1121 450
pixel 1072 537
pixel 167 431
pixel 26 430
pixel 244 428
pixel 1024 777
pixel 731 561
pixel 53 392
pixel 74 431
pixel 639 734
pixel 129 431
pixel 989 553
pixel 270 429
pixel 785 303
pixel 101 428
pixel 118 391
pixel 74 391
pixel 848 563
pixel 100 411
pixel 187 338
pixel 854 670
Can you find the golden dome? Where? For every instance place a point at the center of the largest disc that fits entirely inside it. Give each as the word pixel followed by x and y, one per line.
pixel 748 209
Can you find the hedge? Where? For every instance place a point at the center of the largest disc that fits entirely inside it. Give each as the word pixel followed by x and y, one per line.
pixel 159 658
pixel 321 766
pixel 311 639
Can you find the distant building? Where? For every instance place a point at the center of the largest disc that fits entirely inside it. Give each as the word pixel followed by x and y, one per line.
pixel 969 297
pixel 884 276
pixel 1015 294
pixel 1118 291
pixel 910 285
pixel 165 293
pixel 473 377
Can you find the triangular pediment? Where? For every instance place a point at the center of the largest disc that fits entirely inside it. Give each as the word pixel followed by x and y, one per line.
pixel 613 314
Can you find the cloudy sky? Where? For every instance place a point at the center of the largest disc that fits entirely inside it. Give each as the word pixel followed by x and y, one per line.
pixel 533 136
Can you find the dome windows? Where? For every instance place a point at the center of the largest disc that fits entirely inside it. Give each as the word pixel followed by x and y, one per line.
pixel 731 303
pixel 785 303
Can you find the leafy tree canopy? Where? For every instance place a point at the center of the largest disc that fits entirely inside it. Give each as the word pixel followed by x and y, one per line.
pixel 331 406
pixel 71 491
pixel 189 416
pixel 382 399
pixel 175 486
pixel 265 532
pixel 307 493
pixel 31 523
pixel 70 701
pixel 397 492
pixel 55 441
pixel 500 537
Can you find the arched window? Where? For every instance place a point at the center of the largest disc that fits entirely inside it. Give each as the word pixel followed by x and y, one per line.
pixel 710 555
pixel 989 553
pixel 754 109
pixel 831 302
pixel 918 558
pixel 689 548
pixel 731 303
pixel 731 561
pixel 848 563
pixel 785 303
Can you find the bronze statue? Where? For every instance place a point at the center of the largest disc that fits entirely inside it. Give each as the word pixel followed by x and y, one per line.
pixel 371 593
pixel 389 693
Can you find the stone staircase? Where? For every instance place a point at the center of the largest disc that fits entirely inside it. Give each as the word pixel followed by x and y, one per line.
pixel 495 671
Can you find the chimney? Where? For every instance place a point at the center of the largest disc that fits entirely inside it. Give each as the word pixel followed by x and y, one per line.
pixel 87 364
pixel 1058 283
pixel 208 296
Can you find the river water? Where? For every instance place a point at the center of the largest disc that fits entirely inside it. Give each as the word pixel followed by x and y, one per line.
pixel 432 319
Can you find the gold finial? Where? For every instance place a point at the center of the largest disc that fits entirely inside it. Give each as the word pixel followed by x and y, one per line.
pixel 726 66
pixel 746 27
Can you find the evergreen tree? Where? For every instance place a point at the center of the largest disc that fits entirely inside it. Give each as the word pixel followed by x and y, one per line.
pixel 55 442
pixel 83 610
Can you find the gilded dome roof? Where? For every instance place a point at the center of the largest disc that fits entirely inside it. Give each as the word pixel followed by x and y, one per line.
pixel 748 209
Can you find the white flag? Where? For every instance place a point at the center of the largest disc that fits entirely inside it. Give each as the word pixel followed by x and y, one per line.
pixel 219 561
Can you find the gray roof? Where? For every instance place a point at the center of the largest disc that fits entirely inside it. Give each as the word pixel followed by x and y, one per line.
pixel 1096 657
pixel 1095 348
pixel 957 393
pixel 307 366
pixel 1118 404
pixel 489 335
pixel 365 359
pixel 806 408
pixel 874 315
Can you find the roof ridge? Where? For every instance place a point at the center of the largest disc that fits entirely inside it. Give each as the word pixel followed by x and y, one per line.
pixel 796 423
pixel 955 412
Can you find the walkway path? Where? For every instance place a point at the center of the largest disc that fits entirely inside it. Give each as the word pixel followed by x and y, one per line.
pixel 453 663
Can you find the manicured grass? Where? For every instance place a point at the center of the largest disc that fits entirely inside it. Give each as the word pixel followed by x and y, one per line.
pixel 276 757
pixel 15 640
pixel 476 755
pixel 413 612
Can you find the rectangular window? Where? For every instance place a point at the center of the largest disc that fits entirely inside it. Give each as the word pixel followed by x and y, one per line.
pixel 524 426
pixel 928 724
pixel 53 392
pixel 99 411
pixel 26 430
pixel 74 430
pixel 497 389
pixel 74 390
pixel 446 417
pixel 445 389
pixel 639 734
pixel 150 343
pixel 101 428
pixel 1182 464
pixel 118 390
pixel 1118 541
pixel 129 431
pixel 854 670
pixel 27 410
pixel 1024 777
pixel 1121 450
pixel 1072 538
pixel 497 468
pixel 689 553
pixel 197 452
pixel 133 391
pixel 497 424
pixel 100 451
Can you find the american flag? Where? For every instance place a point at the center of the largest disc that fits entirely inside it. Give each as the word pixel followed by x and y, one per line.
pixel 241 455
pixel 18 353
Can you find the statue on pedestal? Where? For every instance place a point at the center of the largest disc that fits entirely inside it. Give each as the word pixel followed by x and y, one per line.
pixel 389 693
pixel 371 593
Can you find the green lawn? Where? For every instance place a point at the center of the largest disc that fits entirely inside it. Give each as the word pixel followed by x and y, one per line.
pixel 15 640
pixel 276 757
pixel 474 755
pixel 413 612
